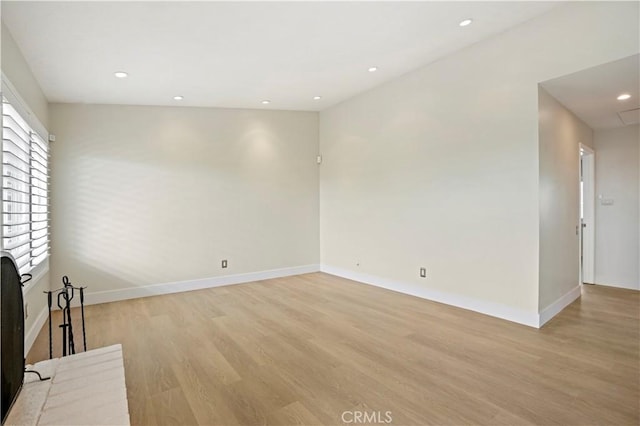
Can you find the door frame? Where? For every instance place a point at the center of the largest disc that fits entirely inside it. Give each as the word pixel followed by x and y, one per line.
pixel 587 220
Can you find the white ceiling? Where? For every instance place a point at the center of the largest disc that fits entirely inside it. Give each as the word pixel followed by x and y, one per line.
pixel 592 93
pixel 227 54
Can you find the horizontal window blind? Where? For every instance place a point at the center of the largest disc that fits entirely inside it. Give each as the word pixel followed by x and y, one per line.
pixel 25 191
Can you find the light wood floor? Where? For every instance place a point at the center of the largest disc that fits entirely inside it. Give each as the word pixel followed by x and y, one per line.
pixel 303 350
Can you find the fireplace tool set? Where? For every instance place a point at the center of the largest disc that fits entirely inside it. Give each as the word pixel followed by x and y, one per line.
pixel 63 297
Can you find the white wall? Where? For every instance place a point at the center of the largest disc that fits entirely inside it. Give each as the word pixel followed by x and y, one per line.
pixel 15 68
pixel 439 168
pixel 617 247
pixel 560 133
pixel 149 195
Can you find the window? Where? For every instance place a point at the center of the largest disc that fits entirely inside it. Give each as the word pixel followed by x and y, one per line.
pixel 25 191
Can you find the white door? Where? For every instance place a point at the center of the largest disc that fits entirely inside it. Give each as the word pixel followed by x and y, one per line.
pixel 587 214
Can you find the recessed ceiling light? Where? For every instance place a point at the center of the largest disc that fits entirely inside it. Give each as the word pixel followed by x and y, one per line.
pixel 317 98
pixel 465 22
pixel 266 102
pixel 624 97
pixel 178 98
pixel 373 69
pixel 121 74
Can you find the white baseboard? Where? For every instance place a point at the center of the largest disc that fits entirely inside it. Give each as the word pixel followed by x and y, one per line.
pixel 180 286
pixel 167 288
pixel 488 308
pixel 531 319
pixel 624 285
pixel 32 333
pixel 554 309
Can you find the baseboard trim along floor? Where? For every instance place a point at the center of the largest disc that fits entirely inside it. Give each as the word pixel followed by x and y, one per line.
pixel 531 319
pixel 199 284
pixel 554 309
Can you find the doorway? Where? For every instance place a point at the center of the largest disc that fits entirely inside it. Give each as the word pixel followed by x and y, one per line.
pixel 587 215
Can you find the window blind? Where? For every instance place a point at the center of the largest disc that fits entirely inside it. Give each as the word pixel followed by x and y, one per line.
pixel 25 191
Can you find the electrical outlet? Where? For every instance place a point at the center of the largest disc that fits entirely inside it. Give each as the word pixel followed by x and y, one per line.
pixel 26 310
pixel 423 272
pixel 224 264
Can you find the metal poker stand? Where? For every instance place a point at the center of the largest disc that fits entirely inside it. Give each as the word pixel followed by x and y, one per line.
pixel 63 297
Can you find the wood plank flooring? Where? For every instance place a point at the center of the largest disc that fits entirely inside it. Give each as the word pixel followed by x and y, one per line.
pixel 305 349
